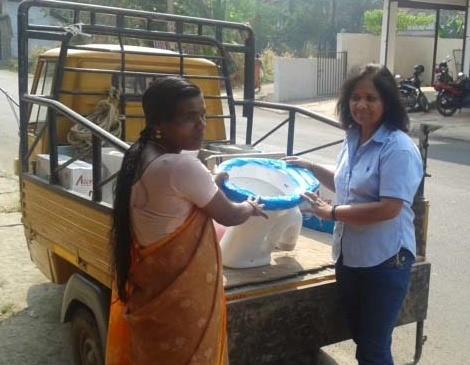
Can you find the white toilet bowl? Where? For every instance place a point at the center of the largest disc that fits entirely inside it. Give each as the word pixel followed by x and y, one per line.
pixel 251 244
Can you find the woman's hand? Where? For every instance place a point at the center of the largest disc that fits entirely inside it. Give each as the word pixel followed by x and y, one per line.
pixel 319 207
pixel 220 178
pixel 298 161
pixel 257 207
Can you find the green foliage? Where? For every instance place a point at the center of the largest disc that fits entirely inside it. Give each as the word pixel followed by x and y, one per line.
pixel 373 21
pixel 454 27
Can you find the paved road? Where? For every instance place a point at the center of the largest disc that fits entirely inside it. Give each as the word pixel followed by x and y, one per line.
pixel 448 325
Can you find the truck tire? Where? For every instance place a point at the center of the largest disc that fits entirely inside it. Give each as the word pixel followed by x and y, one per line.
pixel 86 343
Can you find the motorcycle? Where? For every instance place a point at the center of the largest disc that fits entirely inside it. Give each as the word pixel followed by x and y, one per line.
pixel 410 91
pixel 452 95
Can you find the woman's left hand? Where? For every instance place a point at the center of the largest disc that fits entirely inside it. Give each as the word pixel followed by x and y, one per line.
pixel 319 207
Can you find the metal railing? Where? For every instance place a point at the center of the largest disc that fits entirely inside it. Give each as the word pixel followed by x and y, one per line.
pixel 289 121
pixel 99 136
pixel 85 19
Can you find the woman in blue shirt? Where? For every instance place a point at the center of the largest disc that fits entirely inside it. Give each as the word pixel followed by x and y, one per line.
pixel 377 174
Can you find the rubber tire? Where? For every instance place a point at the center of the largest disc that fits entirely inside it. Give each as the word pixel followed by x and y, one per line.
pixel 423 103
pixel 86 343
pixel 445 112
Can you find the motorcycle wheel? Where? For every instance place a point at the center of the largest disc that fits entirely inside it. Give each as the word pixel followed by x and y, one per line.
pixel 423 103
pixel 445 105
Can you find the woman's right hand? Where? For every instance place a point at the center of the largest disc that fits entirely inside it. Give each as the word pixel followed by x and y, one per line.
pixel 298 161
pixel 256 207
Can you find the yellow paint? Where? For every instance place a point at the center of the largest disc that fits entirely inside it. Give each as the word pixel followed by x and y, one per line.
pixel 281 288
pixel 71 229
pixel 65 254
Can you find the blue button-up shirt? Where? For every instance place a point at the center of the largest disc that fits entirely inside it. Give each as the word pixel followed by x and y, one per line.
pixel 388 165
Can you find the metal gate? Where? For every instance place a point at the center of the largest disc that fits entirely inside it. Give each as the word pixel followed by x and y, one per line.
pixel 331 72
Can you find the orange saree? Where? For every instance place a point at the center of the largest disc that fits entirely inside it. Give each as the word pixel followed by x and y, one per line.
pixel 176 313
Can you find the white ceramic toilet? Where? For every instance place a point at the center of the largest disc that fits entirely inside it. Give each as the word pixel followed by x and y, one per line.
pixel 251 244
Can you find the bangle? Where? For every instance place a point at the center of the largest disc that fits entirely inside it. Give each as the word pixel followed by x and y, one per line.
pixel 255 209
pixel 333 213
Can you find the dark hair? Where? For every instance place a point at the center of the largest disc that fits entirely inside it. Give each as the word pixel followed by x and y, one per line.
pixel 160 103
pixel 395 116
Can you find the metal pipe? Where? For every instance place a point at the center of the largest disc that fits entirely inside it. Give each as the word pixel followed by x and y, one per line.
pixel 436 40
pixel 92 8
pixel 270 132
pixel 138 73
pixel 249 87
pixel 290 133
pixel 420 340
pixel 122 94
pixel 51 115
pixel 36 141
pixel 77 118
pixel 23 72
pixel 96 146
pixel 263 104
pixel 142 53
pixel 319 147
pixel 249 124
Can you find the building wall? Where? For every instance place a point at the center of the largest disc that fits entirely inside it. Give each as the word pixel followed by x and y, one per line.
pixel 294 79
pixel 365 48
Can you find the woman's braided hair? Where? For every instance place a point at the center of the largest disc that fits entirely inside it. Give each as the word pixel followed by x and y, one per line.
pixel 160 103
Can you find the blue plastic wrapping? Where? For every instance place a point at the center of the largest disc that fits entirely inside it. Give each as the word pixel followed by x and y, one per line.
pixel 318 224
pixel 302 179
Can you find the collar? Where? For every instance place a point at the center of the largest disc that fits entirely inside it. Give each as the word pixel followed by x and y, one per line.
pixel 380 136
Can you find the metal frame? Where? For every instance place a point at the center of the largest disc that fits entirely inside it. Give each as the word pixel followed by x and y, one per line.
pixel 28 31
pixel 290 121
pixel 425 5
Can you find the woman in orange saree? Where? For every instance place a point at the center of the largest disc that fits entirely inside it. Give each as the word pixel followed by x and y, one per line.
pixel 168 303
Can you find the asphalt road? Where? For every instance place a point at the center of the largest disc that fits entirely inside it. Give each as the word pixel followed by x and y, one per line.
pixel 448 324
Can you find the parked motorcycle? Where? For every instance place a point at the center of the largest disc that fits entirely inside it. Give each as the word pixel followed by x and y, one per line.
pixel 410 91
pixel 442 72
pixel 452 96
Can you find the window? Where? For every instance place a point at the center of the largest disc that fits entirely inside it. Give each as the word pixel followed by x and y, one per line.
pixel 134 86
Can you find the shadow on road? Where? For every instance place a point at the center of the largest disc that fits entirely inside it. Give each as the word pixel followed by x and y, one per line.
pixel 453 152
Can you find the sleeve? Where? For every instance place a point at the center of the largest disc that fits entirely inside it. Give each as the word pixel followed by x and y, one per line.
pixel 401 172
pixel 193 181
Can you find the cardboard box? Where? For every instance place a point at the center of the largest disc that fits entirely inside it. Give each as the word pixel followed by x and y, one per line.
pixel 111 161
pixel 77 177
pixel 43 164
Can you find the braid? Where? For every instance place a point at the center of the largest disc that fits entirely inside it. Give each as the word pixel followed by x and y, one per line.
pixel 122 233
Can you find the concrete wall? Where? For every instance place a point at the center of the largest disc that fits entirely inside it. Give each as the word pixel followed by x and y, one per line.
pixel 365 48
pixel 294 79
